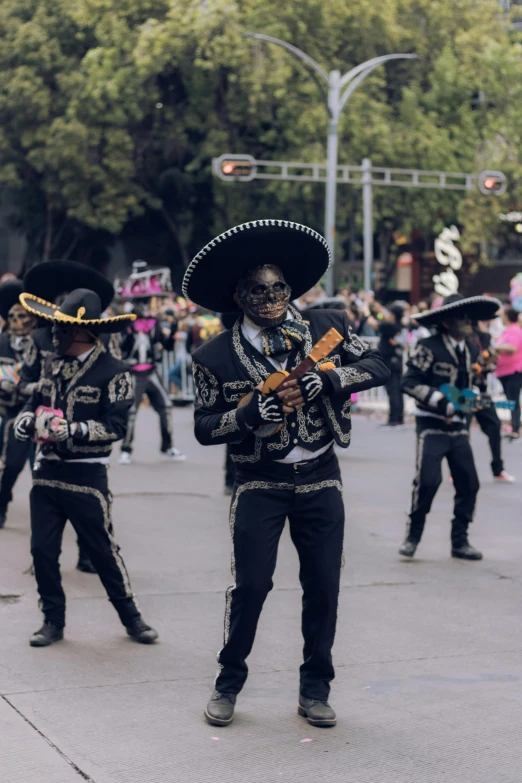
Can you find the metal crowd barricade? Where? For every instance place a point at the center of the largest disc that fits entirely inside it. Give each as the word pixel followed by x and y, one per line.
pixel 180 357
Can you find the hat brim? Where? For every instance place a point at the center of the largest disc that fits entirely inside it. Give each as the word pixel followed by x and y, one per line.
pixel 9 296
pixel 302 255
pixel 478 308
pixel 50 279
pixel 50 312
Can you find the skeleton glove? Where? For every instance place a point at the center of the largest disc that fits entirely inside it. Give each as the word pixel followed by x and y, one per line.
pixel 264 410
pixel 24 426
pixel 312 384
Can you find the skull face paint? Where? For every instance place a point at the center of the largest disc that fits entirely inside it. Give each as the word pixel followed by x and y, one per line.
pixel 63 337
pixel 19 321
pixel 263 295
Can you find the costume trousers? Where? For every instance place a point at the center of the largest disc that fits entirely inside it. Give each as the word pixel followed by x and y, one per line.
pixel 436 441
pixel 262 501
pixel 151 385
pixel 14 455
pixel 396 400
pixel 80 494
pixel 512 387
pixel 489 423
pixel 230 469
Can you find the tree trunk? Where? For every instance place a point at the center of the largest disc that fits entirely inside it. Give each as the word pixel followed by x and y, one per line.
pixel 48 241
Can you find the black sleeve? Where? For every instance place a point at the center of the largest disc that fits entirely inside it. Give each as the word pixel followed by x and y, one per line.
pixel 416 381
pixel 110 426
pixel 214 422
pixel 362 368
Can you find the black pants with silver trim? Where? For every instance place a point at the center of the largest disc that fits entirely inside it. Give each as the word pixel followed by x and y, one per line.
pixel 263 499
pixel 79 493
pixel 489 423
pixel 437 441
pixel 151 385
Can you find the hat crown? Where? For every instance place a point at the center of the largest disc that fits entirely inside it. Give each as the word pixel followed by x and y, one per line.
pixel 82 303
pixel 451 299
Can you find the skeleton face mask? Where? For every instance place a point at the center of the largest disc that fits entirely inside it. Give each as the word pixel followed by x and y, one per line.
pixel 263 295
pixel 19 321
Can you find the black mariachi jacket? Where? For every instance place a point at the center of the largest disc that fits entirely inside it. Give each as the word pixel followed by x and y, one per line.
pixel 97 392
pixel 41 347
pixel 228 367
pixel 12 398
pixel 433 363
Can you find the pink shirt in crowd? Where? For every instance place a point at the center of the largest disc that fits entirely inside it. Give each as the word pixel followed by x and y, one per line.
pixel 508 364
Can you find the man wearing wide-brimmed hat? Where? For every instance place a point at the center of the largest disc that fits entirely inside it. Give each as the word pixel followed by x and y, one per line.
pixel 51 281
pixel 442 431
pixel 77 412
pixel 14 342
pixel 255 269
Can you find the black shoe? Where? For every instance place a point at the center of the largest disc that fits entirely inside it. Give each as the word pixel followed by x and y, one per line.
pixel 141 632
pixel 3 515
pixel 85 564
pixel 48 634
pixel 407 549
pixel 220 709
pixel 317 712
pixel 466 552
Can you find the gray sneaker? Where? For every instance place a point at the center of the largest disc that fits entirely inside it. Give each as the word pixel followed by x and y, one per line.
pixel 317 712
pixel 220 709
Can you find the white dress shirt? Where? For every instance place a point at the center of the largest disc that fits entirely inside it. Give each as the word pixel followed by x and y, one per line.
pixel 253 333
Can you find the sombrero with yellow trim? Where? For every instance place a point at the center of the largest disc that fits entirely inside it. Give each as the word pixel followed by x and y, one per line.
pixel 81 307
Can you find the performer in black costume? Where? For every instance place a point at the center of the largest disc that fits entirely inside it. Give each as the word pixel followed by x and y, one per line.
pixel 77 411
pixel 487 418
pixel 13 345
pixel 51 281
pixel 442 432
pixel 254 269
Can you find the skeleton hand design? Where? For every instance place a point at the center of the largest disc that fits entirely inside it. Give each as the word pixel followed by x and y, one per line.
pixel 60 429
pixel 24 426
pixel 311 385
pixel 271 409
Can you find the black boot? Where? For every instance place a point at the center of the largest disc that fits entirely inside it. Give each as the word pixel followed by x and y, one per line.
pixel 465 551
pixel 3 515
pixel 220 709
pixel 85 564
pixel 317 712
pixel 141 632
pixel 407 548
pixel 48 634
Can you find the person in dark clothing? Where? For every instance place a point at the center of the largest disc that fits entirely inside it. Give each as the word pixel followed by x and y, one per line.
pixel 391 350
pixel 77 411
pixel 487 417
pixel 442 430
pixel 293 472
pixel 14 342
pixel 52 281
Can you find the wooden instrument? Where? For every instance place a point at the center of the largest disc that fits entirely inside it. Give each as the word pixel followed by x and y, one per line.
pixel 321 349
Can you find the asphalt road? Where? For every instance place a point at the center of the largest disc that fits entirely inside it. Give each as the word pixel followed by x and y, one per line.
pixel 428 653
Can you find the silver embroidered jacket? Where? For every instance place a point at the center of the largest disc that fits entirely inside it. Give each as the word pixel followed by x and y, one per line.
pixel 12 396
pixel 97 392
pixel 434 363
pixel 228 367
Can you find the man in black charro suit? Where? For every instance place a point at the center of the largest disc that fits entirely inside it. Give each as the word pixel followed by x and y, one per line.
pixel 254 269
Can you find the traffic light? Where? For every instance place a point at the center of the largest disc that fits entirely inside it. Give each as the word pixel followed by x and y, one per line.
pixel 492 183
pixel 235 168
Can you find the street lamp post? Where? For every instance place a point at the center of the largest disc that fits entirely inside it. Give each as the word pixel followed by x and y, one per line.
pixel 336 100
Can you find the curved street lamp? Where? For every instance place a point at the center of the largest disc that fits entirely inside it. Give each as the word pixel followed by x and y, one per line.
pixel 335 100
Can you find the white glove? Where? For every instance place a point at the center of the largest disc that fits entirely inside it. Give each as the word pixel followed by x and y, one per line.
pixel 43 425
pixel 60 429
pixel 24 426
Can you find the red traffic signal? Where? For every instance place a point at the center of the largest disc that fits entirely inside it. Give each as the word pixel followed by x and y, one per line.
pixel 234 167
pixel 492 183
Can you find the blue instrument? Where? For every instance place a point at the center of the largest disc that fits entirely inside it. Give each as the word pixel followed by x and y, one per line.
pixel 466 400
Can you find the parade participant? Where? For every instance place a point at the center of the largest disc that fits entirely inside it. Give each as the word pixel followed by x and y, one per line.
pixel 13 345
pixel 487 417
pixel 254 269
pixel 442 431
pixel 51 281
pixel 77 411
pixel 509 365
pixel 142 347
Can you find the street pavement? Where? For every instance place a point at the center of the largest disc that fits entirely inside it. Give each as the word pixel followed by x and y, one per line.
pixel 428 653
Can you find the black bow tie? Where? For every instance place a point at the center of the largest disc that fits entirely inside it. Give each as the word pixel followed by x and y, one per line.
pixel 279 341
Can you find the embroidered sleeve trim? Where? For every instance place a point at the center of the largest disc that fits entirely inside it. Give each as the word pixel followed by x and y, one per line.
pixel 350 376
pixel 121 388
pixel 98 431
pixel 422 359
pixel 227 424
pixel 206 385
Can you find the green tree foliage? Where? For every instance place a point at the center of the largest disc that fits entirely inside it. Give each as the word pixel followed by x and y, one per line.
pixel 110 111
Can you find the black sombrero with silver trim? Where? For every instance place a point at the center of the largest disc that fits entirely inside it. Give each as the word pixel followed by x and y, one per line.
pixel 478 308
pixel 50 279
pixel 300 252
pixel 81 307
pixel 9 296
